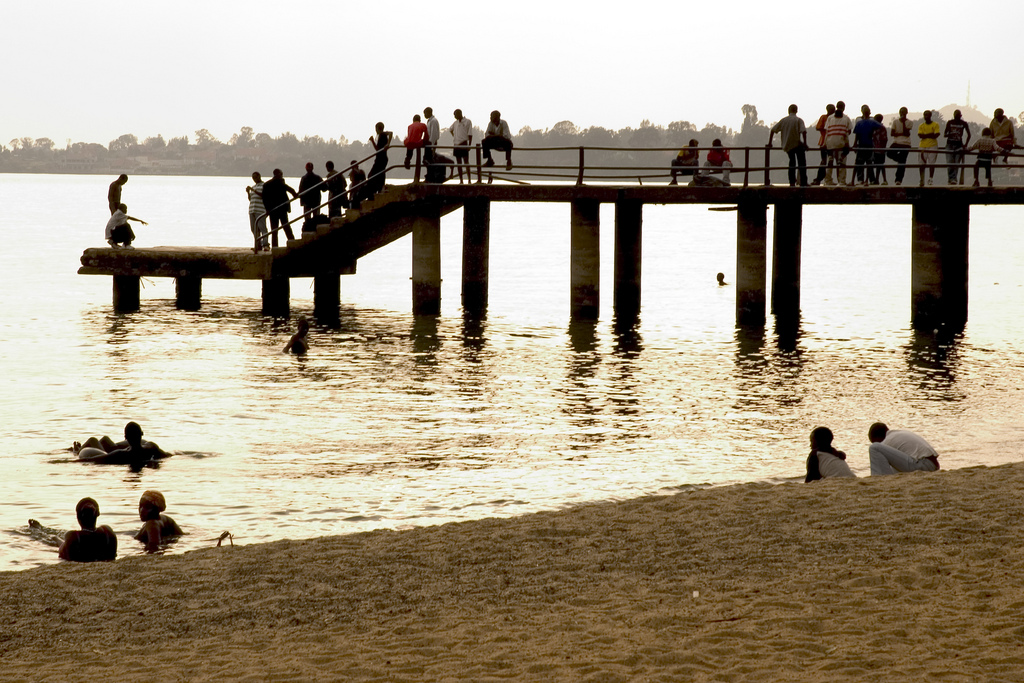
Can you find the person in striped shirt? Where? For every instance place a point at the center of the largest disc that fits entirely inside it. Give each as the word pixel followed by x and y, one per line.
pixel 987 147
pixel 837 140
pixel 257 219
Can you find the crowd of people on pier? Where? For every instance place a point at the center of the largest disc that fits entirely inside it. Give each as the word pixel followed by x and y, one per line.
pixel 891 451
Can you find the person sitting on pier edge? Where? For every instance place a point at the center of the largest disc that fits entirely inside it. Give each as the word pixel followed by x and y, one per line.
pixel 132 451
pixel 899 450
pixel 91 544
pixel 864 142
pixel 1002 131
pixel 822 149
pixel 311 187
pixel 337 197
pixel 928 135
pixel 114 193
pixel 156 527
pixel 380 161
pixel 298 344
pixel 257 221
pixel 686 162
pixel 718 157
pixel 793 132
pixel 497 136
pixel 416 137
pixel 987 149
pixel 955 143
pixel 837 140
pixel 900 149
pixel 118 233
pixel 825 462
pixel 462 139
pixel 880 140
pixel 357 190
pixel 275 199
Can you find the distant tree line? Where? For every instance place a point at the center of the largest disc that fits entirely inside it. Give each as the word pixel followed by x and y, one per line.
pixel 248 150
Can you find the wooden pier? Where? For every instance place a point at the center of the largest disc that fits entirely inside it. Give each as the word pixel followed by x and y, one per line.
pixel 939 246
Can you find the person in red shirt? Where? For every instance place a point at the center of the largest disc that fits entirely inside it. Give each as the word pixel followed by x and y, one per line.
pixel 416 138
pixel 718 157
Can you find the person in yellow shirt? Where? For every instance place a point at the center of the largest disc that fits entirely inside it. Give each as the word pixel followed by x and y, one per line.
pixel 928 134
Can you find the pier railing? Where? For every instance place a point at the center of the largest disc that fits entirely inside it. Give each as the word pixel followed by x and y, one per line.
pixel 749 166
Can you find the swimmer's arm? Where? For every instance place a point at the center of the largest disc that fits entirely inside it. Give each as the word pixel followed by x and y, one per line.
pixel 288 346
pixel 65 548
pixel 150 535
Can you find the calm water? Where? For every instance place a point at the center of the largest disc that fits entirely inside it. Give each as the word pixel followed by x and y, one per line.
pixel 393 421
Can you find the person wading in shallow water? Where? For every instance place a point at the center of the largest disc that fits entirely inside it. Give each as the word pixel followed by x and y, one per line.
pixel 91 544
pixel 298 343
pixel 156 527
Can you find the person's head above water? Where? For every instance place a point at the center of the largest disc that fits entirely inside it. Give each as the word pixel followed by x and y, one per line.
pixel 133 434
pixel 721 278
pixel 303 326
pixel 87 511
pixel 151 504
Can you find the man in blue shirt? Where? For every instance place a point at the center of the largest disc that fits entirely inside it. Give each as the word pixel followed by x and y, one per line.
pixel 863 142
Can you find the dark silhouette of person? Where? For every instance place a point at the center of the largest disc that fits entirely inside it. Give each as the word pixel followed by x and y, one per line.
pixel 357 188
pixel 114 192
pixel 824 460
pixel 380 162
pixel 298 343
pixel 275 199
pixel 416 137
pixel 156 527
pixel 497 136
pixel 310 188
pixel 336 194
pixel 91 544
pixel 136 452
pixel 721 279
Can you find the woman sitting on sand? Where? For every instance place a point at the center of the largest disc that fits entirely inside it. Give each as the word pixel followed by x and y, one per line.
pixel 824 460
pixel 90 544
pixel 156 527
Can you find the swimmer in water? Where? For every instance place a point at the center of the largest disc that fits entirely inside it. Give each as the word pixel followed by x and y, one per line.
pixel 156 527
pixel 132 451
pixel 298 344
pixel 91 544
pixel 721 279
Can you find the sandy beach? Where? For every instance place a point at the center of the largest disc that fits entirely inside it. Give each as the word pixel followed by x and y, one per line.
pixel 909 577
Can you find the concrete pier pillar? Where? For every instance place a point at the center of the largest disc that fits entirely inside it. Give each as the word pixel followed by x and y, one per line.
pixel 276 295
pixel 426 262
pixel 628 234
pixel 326 297
pixel 188 292
pixel 126 293
pixel 751 261
pixel 476 240
pixel 938 263
pixel 585 259
pixel 786 260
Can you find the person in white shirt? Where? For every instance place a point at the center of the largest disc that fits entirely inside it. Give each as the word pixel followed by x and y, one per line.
pixel 825 462
pixel 497 136
pixel 462 139
pixel 899 450
pixel 433 133
pixel 118 232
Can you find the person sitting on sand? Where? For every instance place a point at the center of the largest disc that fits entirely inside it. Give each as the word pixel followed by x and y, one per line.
pixel 899 450
pixel 298 344
pixel 825 461
pixel 156 527
pixel 91 544
pixel 132 451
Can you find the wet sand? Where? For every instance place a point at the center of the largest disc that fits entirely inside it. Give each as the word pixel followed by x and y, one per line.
pixel 910 577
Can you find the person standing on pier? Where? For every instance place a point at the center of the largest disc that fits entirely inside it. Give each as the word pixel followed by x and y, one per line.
pixel 837 140
pixel 987 149
pixel 498 136
pixel 275 199
pixel 380 162
pixel 955 144
pixel 928 135
pixel 900 144
pixel 880 139
pixel 794 140
pixel 356 187
pixel 114 192
pixel 257 221
pixel 462 139
pixel 822 149
pixel 336 194
pixel 433 134
pixel 864 142
pixel 416 137
pixel 311 187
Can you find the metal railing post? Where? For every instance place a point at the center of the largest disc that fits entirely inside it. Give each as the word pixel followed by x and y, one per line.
pixel 579 178
pixel 416 177
pixel 479 163
pixel 746 166
pixel 767 173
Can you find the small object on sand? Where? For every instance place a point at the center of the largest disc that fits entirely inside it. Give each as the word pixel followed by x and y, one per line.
pixel 227 535
pixel 696 594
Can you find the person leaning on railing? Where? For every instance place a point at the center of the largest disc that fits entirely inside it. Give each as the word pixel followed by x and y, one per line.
pixel 987 147
pixel 686 162
pixel 900 149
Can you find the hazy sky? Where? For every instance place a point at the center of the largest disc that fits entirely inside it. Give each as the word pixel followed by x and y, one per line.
pixel 91 71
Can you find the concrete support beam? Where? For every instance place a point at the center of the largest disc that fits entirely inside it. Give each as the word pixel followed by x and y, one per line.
pixel 786 260
pixel 426 262
pixel 628 238
pixel 188 292
pixel 938 263
pixel 751 261
pixel 276 295
pixel 476 241
pixel 126 293
pixel 326 297
pixel 585 259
